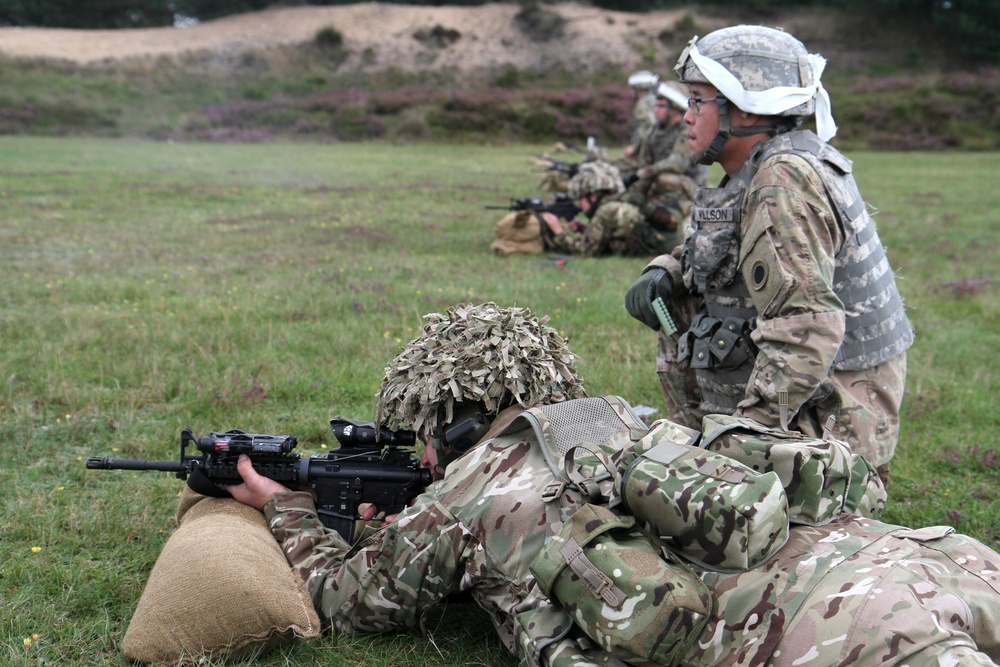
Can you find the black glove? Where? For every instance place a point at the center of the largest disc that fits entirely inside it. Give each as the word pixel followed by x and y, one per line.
pixel 654 282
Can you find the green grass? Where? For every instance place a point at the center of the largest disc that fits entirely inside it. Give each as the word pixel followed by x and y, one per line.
pixel 151 287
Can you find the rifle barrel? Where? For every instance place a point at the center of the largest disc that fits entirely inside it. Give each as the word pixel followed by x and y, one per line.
pixel 100 463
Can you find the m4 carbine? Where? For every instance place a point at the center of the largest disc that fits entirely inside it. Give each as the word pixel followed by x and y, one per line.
pixel 364 469
pixel 562 206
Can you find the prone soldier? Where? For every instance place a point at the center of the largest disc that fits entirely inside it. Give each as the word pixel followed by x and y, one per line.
pixel 614 226
pixel 500 523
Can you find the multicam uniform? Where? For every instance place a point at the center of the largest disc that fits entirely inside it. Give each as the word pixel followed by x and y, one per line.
pixel 667 177
pixel 802 320
pixel 616 227
pixel 854 591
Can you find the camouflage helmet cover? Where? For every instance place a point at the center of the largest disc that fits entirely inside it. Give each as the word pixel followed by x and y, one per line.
pixel 476 353
pixel 760 58
pixel 596 176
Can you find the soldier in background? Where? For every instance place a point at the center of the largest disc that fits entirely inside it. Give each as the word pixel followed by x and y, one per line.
pixel 665 184
pixel 853 591
pixel 643 84
pixel 613 227
pixel 798 322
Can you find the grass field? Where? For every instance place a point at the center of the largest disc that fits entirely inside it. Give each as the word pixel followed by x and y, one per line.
pixel 151 287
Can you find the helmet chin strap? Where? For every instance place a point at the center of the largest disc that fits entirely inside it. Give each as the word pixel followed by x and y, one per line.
pixel 710 154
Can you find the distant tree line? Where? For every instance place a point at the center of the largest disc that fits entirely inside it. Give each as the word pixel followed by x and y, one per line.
pixel 972 25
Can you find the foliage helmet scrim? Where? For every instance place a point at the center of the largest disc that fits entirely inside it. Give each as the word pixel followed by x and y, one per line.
pixel 596 176
pixel 481 355
pixel 759 70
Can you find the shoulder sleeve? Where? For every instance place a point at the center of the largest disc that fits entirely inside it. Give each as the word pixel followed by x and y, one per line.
pixel 787 259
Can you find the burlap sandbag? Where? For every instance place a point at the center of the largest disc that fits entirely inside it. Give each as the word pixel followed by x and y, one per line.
pixel 503 248
pixel 518 232
pixel 221 587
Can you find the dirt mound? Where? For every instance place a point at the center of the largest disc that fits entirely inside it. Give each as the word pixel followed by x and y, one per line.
pixel 380 36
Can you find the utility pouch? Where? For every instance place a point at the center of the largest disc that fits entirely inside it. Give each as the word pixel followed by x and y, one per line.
pixel 706 507
pixel 822 478
pixel 619 588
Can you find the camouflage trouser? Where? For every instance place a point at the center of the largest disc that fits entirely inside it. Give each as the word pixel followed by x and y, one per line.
pixel 927 601
pixel 644 240
pixel 858 592
pixel 669 198
pixel 680 389
pixel 665 200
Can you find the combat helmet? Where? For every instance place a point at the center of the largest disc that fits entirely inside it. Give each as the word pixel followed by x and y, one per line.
pixel 596 176
pixel 759 70
pixel 643 79
pixel 483 354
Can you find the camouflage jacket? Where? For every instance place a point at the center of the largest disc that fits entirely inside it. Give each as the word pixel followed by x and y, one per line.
pixel 476 530
pixel 785 250
pixel 853 591
pixel 616 227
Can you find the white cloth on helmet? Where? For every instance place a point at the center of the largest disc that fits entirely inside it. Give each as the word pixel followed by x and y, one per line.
pixel 677 97
pixel 775 100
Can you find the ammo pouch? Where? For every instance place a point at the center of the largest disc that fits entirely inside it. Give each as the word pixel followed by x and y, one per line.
pixel 712 250
pixel 706 507
pixel 822 478
pixel 717 344
pixel 619 589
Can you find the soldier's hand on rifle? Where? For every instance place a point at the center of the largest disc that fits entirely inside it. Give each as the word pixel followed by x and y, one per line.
pixel 553 222
pixel 256 490
pixel 370 512
pixel 654 282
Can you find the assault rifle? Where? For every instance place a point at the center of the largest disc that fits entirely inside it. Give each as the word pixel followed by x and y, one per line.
pixel 568 168
pixel 562 206
pixel 364 469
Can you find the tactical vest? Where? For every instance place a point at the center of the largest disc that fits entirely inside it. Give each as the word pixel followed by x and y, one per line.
pixel 718 343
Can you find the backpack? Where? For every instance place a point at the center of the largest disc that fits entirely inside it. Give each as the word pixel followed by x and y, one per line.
pixel 655 500
pixel 607 569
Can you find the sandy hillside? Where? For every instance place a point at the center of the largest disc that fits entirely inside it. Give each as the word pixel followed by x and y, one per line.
pixel 377 35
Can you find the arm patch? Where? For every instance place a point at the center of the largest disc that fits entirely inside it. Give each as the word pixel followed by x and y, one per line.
pixel 764 275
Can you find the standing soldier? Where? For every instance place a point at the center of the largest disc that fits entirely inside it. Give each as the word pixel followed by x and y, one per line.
pixel 800 322
pixel 615 227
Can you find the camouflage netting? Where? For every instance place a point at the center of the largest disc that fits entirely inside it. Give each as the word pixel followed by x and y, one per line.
pixel 495 356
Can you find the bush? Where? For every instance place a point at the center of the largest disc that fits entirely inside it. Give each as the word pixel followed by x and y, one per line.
pixel 540 24
pixel 329 38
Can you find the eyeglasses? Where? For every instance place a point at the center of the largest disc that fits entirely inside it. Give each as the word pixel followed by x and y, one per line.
pixel 696 102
